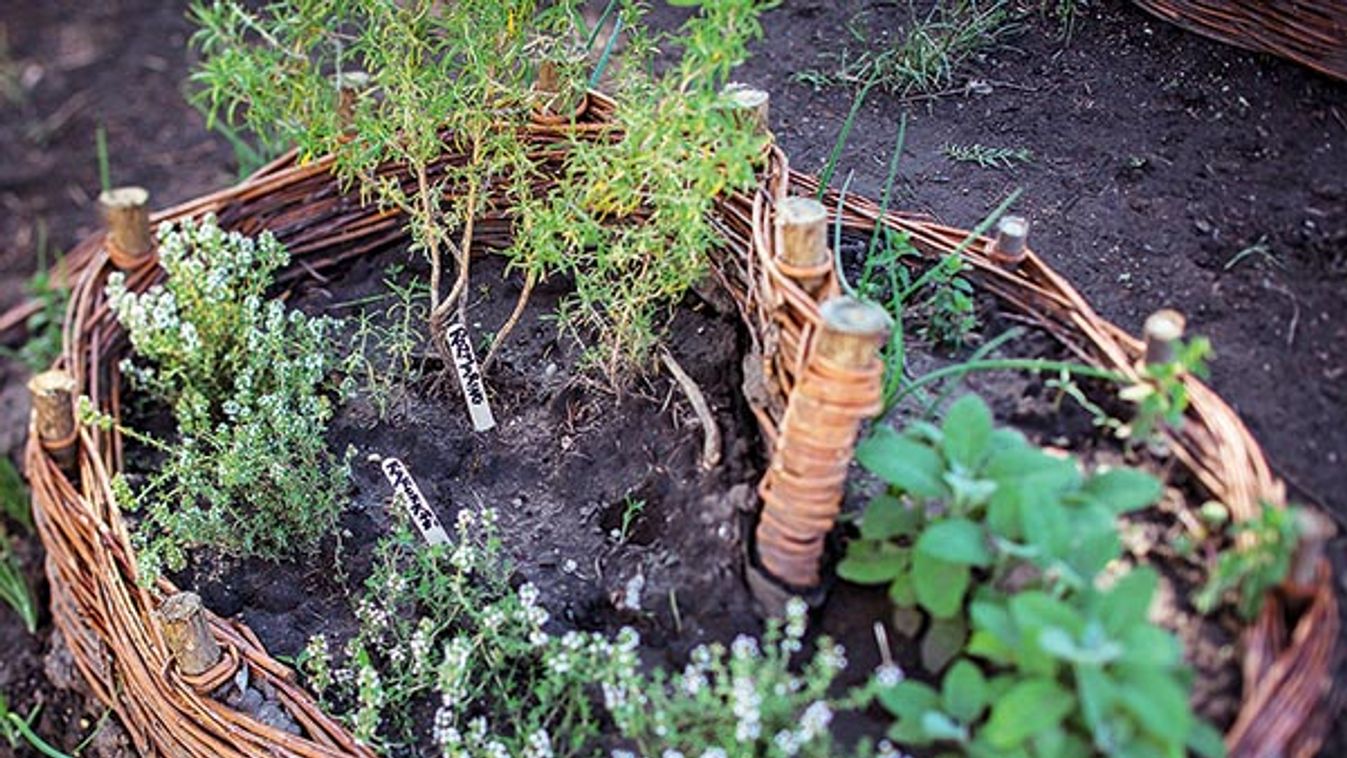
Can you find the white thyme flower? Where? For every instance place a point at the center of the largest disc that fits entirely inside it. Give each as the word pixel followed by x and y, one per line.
pixel 796 610
pixel 787 742
pixel 539 745
pixel 815 720
pixel 528 594
pixel 745 703
pixel 888 675
pixel 745 647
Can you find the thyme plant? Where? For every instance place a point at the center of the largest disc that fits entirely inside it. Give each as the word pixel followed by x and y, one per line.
pixel 249 472
pixel 443 623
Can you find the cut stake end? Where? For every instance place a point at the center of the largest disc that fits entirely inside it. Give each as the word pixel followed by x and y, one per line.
pixel 1162 330
pixel 127 214
pixel 1011 243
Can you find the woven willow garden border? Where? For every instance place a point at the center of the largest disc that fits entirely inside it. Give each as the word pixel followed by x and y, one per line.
pixel 119 632
pixel 1310 32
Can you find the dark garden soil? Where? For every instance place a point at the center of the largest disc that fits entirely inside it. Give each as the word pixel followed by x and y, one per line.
pixel 566 457
pixel 1158 157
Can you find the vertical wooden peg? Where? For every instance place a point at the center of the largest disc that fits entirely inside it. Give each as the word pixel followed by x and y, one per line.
pixel 804 255
pixel 1011 243
pixel 188 635
pixel 752 106
pixel 841 386
pixel 126 211
pixel 1314 530
pixel 1162 331
pixel 53 395
pixel 350 84
pixel 853 331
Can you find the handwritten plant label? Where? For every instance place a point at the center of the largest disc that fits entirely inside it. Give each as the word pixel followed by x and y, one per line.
pixel 404 486
pixel 470 377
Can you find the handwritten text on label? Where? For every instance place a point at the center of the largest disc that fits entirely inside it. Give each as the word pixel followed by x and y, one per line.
pixel 470 377
pixel 404 486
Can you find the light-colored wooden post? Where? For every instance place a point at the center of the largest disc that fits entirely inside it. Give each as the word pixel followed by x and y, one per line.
pixel 841 387
pixel 1162 331
pixel 548 81
pixel 189 639
pixel 126 211
pixel 804 255
pixel 752 105
pixel 1011 244
pixel 853 331
pixel 349 85
pixel 53 395
pixel 1314 530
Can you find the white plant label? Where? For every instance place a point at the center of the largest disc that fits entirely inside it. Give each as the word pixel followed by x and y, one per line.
pixel 404 486
pixel 470 377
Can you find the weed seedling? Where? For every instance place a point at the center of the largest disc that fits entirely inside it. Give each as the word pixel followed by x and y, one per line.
pixel 386 346
pixel 14 589
pixel 1259 250
pixel 1257 561
pixel 988 157
pixel 43 326
pixel 928 54
pixel 17 729
pixel 631 510
pixel 1161 398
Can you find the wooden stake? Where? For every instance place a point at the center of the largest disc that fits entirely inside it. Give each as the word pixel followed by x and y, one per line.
pixel 853 330
pixel 1162 332
pixel 1011 244
pixel 752 104
pixel 54 414
pixel 188 636
pixel 840 387
pixel 804 255
pixel 1315 530
pixel 548 81
pixel 126 212
pixel 349 84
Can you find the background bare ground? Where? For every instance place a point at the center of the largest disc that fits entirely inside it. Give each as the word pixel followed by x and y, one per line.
pixel 1159 156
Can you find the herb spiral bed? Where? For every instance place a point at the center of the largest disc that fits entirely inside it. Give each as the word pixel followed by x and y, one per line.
pixel 595 536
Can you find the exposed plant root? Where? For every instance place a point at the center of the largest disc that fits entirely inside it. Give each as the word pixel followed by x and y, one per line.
pixel 710 432
pixel 529 280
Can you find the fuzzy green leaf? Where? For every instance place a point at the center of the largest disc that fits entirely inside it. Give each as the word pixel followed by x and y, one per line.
pixel 901 591
pixel 1126 604
pixel 887 517
pixel 964 692
pixel 1030 707
pixel 1159 704
pixel 967 430
pixel 1151 646
pixel 956 540
pixel 1123 490
pixel 940 585
pixel 869 562
pixel 1205 740
pixel 908 700
pixel 907 465
pixel 942 642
